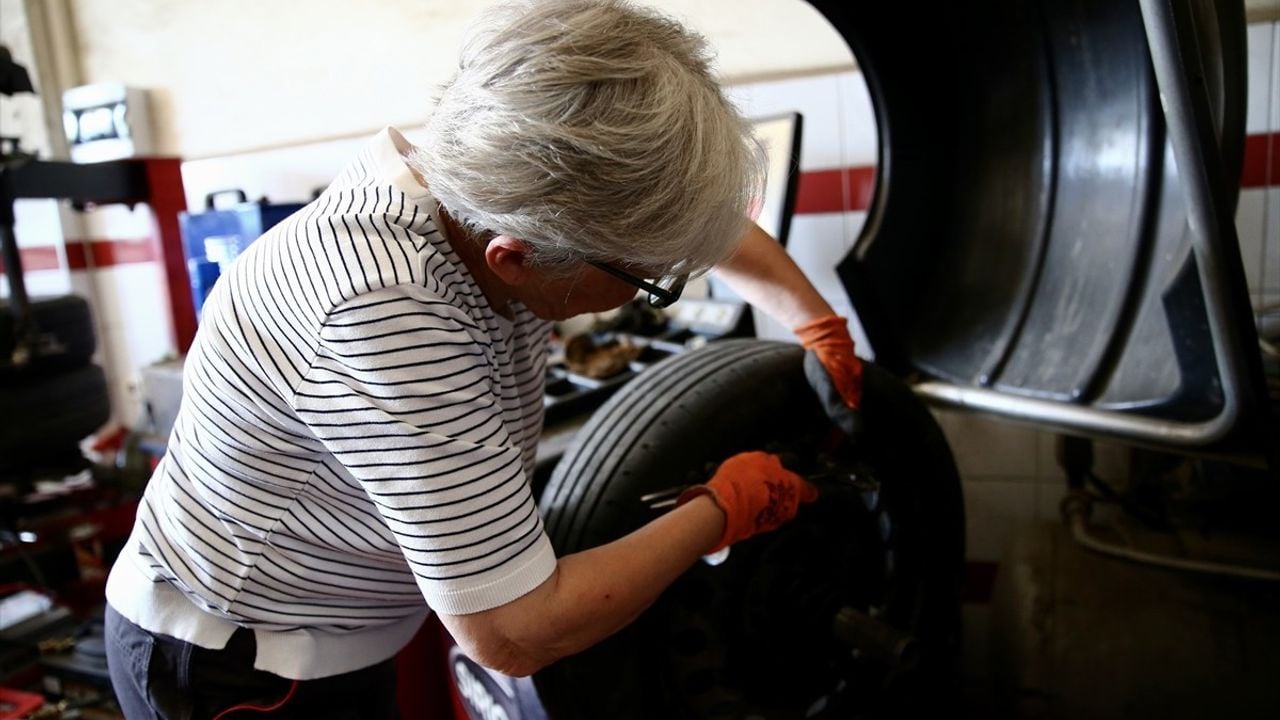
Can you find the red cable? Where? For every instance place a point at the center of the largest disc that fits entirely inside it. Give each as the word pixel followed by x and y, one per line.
pixel 259 708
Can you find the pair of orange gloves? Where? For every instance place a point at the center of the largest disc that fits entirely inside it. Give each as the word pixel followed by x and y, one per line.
pixel 758 494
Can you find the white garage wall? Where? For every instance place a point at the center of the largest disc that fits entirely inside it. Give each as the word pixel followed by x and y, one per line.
pixel 1258 212
pixel 235 75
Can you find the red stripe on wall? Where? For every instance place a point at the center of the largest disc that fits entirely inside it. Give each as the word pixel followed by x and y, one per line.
pixel 104 253
pixel 820 191
pixel 850 189
pixel 862 185
pixel 835 190
pixel 1261 161
pixel 37 258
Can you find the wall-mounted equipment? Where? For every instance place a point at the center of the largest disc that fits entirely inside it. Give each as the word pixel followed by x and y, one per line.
pixel 106 121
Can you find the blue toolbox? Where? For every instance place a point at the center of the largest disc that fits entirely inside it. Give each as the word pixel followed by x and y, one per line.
pixel 215 237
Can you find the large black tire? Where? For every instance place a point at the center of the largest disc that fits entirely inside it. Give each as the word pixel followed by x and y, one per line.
pixel 752 636
pixel 1026 183
pixel 67 338
pixel 46 417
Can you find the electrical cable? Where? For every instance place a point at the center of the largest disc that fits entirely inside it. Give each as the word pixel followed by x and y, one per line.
pixel 260 708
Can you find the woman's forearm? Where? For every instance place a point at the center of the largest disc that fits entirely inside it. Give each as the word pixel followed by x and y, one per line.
pixel 764 275
pixel 601 590
pixel 591 595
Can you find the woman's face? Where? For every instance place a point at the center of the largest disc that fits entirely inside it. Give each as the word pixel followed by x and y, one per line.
pixel 561 295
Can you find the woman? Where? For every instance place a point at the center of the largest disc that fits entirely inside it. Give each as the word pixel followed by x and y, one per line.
pixel 364 397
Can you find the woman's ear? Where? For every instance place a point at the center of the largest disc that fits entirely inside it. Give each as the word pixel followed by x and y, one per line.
pixel 508 258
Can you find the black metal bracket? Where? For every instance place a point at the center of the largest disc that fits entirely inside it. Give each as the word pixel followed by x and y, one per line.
pixel 23 177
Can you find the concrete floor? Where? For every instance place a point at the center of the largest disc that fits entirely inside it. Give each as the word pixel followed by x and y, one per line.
pixel 1073 634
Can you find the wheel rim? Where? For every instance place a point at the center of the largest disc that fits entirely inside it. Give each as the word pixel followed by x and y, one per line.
pixel 752 636
pixel 713 645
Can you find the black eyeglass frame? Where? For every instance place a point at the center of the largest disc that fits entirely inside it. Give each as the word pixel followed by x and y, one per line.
pixel 659 296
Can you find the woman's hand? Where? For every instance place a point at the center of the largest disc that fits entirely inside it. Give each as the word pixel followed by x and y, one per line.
pixel 756 493
pixel 828 338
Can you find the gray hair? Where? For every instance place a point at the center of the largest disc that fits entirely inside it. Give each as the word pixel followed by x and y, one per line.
pixel 592 129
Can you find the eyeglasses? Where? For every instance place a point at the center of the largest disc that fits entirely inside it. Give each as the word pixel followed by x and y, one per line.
pixel 663 291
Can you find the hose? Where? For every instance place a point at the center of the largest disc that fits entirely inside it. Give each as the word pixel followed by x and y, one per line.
pixel 1076 508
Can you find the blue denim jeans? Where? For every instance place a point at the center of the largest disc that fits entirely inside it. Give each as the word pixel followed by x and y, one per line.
pixel 157 677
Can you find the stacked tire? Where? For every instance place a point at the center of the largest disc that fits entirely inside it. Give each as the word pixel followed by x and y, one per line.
pixel 55 396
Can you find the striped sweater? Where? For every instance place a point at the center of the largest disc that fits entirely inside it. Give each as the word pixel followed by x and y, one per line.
pixel 357 433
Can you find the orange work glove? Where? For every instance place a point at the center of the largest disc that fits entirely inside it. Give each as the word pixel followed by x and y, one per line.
pixel 756 494
pixel 828 338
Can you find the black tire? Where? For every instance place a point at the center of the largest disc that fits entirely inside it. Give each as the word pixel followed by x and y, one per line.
pixel 714 645
pixel 65 329
pixel 46 417
pixel 1032 92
